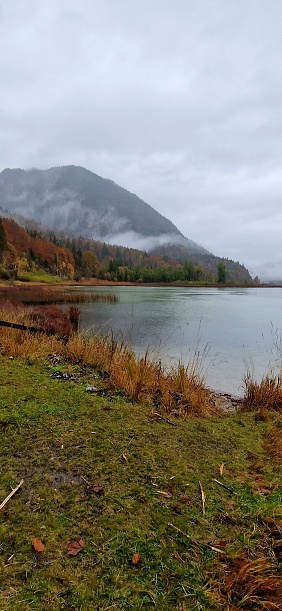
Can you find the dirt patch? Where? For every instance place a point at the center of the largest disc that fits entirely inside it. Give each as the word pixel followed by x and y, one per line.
pixel 64 478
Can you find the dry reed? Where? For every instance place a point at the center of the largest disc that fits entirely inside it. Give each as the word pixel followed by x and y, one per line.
pixel 264 395
pixel 49 295
pixel 140 379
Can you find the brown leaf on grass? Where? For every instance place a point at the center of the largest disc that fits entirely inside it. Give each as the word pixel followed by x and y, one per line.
pixel 266 490
pixel 136 558
pixel 94 489
pixel 74 547
pixel 6 592
pixel 124 457
pixel 38 545
pixel 166 495
pixel 219 543
pixel 262 489
pixel 221 468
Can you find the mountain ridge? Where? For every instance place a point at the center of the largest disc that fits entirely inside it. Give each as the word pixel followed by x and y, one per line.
pixel 81 202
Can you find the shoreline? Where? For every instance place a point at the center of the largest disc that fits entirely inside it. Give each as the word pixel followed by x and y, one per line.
pixel 98 282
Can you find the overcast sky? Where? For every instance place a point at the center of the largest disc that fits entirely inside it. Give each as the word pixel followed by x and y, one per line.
pixel 178 101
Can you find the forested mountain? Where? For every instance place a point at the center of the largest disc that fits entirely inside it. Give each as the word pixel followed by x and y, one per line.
pixel 80 202
pixel 57 205
pixel 24 252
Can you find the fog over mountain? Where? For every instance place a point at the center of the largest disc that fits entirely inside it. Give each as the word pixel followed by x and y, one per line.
pixel 79 202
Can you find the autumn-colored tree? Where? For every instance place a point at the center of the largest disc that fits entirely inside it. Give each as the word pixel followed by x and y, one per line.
pixel 89 264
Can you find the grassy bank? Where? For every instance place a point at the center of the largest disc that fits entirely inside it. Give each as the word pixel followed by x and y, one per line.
pixel 140 492
pixel 111 474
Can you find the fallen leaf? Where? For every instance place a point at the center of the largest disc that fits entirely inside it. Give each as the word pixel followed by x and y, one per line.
pixel 93 489
pixel 74 547
pixel 136 558
pixel 124 457
pixel 38 545
pixel 166 495
pixel 6 592
pixel 219 543
pixel 221 468
pixel 265 489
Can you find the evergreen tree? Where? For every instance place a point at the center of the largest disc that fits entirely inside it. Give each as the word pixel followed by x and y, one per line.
pixel 221 272
pixel 3 241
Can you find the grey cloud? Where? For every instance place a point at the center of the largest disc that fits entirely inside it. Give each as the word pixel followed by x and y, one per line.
pixel 178 102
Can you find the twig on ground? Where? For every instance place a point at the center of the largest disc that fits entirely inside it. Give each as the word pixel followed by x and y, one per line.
pixel 11 494
pixel 164 418
pixel 221 468
pixel 181 532
pixel 224 486
pixel 86 481
pixel 203 498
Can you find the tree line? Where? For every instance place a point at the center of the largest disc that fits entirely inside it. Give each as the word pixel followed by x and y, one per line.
pixel 77 258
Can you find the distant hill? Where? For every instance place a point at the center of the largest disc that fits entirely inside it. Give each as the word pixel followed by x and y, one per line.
pixel 79 202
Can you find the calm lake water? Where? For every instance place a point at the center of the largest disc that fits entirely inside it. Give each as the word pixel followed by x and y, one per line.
pixel 233 328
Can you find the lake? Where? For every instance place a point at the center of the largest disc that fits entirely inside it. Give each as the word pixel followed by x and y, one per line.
pixel 231 329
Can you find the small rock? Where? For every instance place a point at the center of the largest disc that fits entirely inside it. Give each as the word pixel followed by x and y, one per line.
pixel 91 389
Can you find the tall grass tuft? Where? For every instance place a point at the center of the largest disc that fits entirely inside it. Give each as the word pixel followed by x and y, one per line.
pixel 74 317
pixel 142 379
pixel 273 443
pixel 252 585
pixel 264 395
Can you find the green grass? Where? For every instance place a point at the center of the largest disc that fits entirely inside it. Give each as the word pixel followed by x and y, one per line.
pixel 57 437
pixel 39 276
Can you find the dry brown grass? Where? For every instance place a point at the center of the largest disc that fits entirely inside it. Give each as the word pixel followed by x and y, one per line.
pixel 23 343
pixel 51 320
pixel 140 379
pixel 265 395
pixel 253 585
pixel 273 442
pixel 35 294
pixel 274 536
